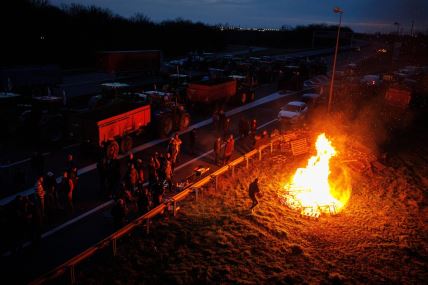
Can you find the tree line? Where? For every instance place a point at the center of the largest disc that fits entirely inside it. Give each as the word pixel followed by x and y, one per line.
pixel 36 32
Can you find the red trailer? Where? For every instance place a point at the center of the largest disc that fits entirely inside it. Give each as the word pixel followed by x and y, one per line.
pixel 112 125
pixel 148 61
pixel 211 91
pixel 398 97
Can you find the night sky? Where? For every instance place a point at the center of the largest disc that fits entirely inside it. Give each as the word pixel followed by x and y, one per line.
pixel 361 15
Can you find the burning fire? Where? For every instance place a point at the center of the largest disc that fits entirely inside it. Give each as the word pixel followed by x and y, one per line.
pixel 310 189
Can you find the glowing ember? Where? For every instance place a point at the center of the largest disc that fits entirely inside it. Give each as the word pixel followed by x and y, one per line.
pixel 310 189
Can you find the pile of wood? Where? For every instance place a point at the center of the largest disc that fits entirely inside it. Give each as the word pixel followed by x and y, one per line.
pixel 358 157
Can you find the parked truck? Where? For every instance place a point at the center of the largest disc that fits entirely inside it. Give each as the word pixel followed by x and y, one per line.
pixel 220 90
pixel 211 91
pixel 398 97
pixel 395 110
pixel 167 113
pixel 146 61
pixel 112 126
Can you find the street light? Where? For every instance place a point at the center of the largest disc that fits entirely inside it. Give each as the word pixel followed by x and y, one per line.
pixel 339 11
pixel 398 27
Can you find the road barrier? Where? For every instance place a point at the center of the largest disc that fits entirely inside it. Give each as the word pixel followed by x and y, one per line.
pixel 170 204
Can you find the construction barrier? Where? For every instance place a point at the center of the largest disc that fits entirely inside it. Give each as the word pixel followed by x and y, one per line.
pixel 69 266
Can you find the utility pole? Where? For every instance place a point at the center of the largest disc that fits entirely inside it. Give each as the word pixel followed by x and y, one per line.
pixel 411 30
pixel 398 27
pixel 339 11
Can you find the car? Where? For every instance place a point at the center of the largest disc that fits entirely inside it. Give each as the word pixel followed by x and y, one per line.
pixel 310 99
pixel 371 80
pixel 293 112
pixel 316 84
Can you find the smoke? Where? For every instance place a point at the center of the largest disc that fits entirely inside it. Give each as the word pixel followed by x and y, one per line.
pixel 362 117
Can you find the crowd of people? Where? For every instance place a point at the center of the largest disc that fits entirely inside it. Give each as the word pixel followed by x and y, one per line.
pixel 135 189
pixel 25 216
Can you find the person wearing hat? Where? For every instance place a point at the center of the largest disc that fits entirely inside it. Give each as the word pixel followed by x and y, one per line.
pixel 253 190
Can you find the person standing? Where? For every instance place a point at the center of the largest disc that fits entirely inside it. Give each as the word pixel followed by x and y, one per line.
pixel 253 129
pixel 153 175
pixel 217 150
pixel 243 127
pixel 68 188
pixel 253 190
pixel 40 194
pixel 168 173
pixel 143 200
pixel 229 148
pixel 51 197
pixel 70 165
pixel 174 149
pixel 131 159
pixel 226 127
pixel 132 177
pixel 140 171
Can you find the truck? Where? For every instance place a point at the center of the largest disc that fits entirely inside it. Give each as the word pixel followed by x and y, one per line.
pixel 146 61
pixel 395 110
pixel 111 126
pixel 398 97
pixel 210 91
pixel 167 113
pixel 220 90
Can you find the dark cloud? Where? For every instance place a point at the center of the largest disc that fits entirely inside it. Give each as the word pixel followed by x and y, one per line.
pixel 362 15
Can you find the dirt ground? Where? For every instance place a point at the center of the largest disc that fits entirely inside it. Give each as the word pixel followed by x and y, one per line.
pixel 380 237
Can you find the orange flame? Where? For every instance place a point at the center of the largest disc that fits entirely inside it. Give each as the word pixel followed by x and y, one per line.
pixel 310 187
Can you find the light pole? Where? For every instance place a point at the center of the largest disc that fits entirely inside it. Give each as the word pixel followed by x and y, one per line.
pixel 398 27
pixel 339 11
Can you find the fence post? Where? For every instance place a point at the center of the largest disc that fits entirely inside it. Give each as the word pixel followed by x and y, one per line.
pixel 114 246
pixel 246 158
pixel 72 275
pixel 175 208
pixel 233 170
pixel 260 154
pixel 216 183
pixel 271 147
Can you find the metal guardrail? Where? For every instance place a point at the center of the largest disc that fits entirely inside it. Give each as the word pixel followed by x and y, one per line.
pixel 69 266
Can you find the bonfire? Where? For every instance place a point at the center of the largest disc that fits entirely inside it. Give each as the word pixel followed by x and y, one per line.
pixel 310 189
